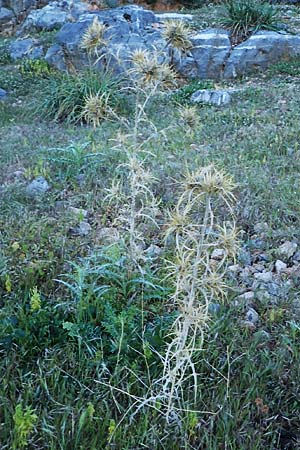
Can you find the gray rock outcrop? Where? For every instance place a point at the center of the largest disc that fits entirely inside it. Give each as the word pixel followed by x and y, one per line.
pixel 260 51
pixel 131 27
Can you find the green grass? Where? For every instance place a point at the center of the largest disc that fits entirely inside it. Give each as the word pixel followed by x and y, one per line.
pixel 99 323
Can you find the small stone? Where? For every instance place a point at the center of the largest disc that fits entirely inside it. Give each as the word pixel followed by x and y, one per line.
pixel 235 268
pixel 153 251
pixel 83 229
pixel 38 186
pixel 264 277
pixel 261 227
pixel 218 253
pixel 5 15
pixel 248 324
pixel 296 256
pixel 78 212
pixel 245 257
pixel 109 235
pixel 287 249
pixel 258 268
pixel 280 266
pixel 3 94
pixel 263 296
pixel 247 296
pixel 252 316
pixel 262 336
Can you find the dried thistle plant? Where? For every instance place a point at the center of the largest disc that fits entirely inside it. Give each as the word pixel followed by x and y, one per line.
pixel 198 281
pixel 177 35
pixel 93 39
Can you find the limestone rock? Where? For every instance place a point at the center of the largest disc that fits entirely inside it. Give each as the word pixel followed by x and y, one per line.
pixel 216 98
pixel 210 50
pixel 280 266
pixel 252 316
pixel 287 249
pixel 260 51
pixel 264 277
pixel 26 48
pixel 6 15
pixel 37 187
pixel 174 16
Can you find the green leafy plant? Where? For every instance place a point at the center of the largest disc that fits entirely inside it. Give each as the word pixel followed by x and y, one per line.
pixel 246 16
pixel 25 420
pixel 35 68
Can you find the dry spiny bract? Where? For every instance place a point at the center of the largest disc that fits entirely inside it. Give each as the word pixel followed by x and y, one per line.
pixel 178 224
pixel 95 108
pixel 150 71
pixel 228 239
pixel 189 116
pixel 93 38
pixel 209 181
pixel 177 35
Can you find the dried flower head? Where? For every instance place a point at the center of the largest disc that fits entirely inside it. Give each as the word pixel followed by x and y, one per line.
pixel 229 239
pixel 209 181
pixel 178 223
pixel 189 116
pixel 213 285
pixel 95 108
pixel 176 34
pixel 149 71
pixel 93 38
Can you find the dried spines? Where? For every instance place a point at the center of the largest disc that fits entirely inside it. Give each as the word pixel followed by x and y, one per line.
pixel 95 108
pixel 177 35
pixel 189 117
pixel 93 38
pixel 208 181
pixel 150 71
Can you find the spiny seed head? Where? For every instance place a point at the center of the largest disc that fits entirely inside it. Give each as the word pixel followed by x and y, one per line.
pixel 211 181
pixel 95 108
pixel 176 34
pixel 150 71
pixel 139 56
pixel 229 239
pixel 213 284
pixel 189 116
pixel 178 221
pixel 93 38
pixel 114 193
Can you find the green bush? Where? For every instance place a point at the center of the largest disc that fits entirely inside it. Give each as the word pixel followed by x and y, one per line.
pixel 64 95
pixel 35 68
pixel 245 16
